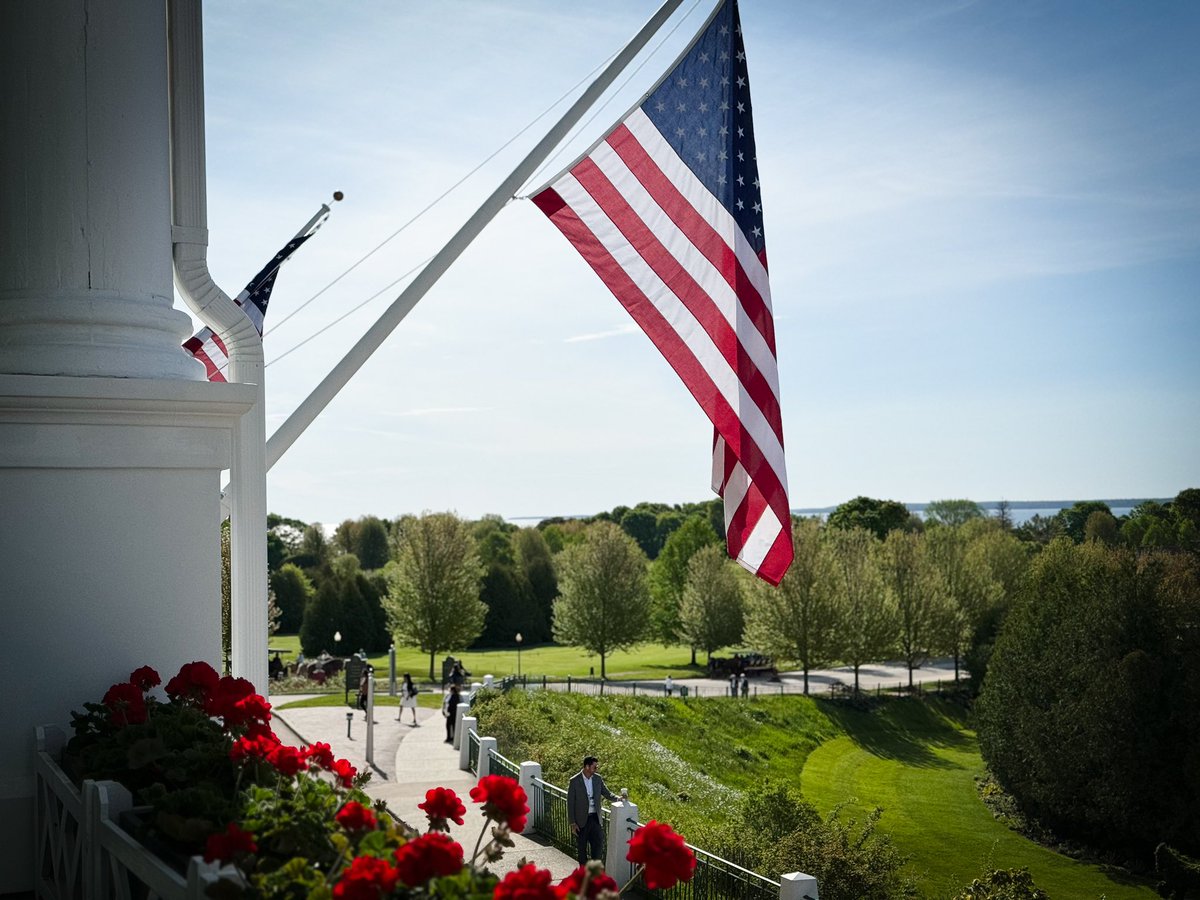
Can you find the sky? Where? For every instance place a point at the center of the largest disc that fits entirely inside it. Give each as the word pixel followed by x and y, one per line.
pixel 982 222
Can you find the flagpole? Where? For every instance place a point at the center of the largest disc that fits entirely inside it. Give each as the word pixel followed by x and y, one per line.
pixel 311 407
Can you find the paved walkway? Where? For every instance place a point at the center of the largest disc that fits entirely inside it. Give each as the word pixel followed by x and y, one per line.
pixel 409 761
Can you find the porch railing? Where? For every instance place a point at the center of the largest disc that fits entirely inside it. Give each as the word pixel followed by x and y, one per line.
pixel 715 879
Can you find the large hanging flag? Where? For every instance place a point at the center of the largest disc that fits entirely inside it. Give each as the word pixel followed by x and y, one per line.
pixel 666 209
pixel 207 346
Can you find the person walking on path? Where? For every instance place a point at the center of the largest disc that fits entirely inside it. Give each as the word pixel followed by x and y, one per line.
pixel 408 699
pixel 745 686
pixel 584 791
pixel 668 685
pixel 449 708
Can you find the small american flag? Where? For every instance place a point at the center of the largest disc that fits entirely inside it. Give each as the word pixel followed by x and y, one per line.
pixel 666 209
pixel 208 347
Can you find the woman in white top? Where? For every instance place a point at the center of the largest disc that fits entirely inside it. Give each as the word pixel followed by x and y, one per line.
pixel 408 698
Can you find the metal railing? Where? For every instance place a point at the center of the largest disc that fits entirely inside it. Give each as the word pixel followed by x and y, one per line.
pixel 502 765
pixel 473 752
pixel 548 806
pixel 715 879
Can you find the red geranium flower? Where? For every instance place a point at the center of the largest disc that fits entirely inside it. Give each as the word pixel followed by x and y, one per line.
pixel 145 678
pixel 526 883
pixel 429 856
pixel 355 817
pixel 258 747
pixel 252 710
pixel 194 682
pixel 366 878
pixel 222 701
pixel 573 884
pixel 344 772
pixel 224 846
pixel 668 860
pixel 126 704
pixel 321 754
pixel 287 760
pixel 503 800
pixel 442 804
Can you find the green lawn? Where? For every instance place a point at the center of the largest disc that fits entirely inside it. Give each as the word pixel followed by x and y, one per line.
pixel 919 765
pixel 645 661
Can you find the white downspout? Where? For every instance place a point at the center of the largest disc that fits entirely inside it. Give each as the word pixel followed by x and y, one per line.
pixel 248 480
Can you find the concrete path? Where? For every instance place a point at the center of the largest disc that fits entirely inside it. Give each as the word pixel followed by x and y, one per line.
pixel 409 760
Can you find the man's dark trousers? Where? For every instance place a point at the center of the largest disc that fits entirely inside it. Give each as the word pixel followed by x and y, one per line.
pixel 591 834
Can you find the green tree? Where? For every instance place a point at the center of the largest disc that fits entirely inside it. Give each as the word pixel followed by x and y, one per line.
pixel 1090 714
pixel 433 586
pixel 876 516
pixel 969 587
pixel 1039 530
pixel 293 592
pixel 953 512
pixel 537 569
pixel 668 574
pixel 867 629
pixel 371 544
pixel 798 620
pixel 641 524
pixel 603 602
pixel 321 622
pixel 711 615
pixel 354 618
pixel 315 551
pixel 917 594
pixel 1073 519
pixel 1102 526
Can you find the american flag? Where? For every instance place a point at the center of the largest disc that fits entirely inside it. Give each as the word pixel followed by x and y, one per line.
pixel 666 209
pixel 208 347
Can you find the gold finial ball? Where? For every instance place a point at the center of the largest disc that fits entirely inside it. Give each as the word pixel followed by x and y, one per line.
pixel 338 195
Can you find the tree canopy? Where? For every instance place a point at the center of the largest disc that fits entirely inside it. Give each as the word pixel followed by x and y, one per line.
pixel 603 602
pixel 711 614
pixel 876 516
pixel 433 586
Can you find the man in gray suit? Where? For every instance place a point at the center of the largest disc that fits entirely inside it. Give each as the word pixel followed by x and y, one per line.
pixel 584 791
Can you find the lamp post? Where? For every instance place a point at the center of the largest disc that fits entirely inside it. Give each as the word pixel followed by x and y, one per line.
pixel 519 640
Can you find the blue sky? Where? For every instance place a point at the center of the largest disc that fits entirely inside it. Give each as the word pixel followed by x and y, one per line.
pixel 982 221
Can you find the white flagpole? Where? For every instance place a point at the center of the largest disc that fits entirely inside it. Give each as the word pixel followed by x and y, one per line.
pixel 311 407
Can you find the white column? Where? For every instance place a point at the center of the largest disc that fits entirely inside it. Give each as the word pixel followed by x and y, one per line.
pixel 460 716
pixel 797 886
pixel 111 442
pixel 530 771
pixel 465 724
pixel 486 745
pixel 623 816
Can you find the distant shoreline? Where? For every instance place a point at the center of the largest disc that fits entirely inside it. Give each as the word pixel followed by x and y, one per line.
pixel 990 505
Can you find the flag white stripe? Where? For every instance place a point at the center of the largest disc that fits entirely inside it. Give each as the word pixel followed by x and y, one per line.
pixel 693 335
pixel 695 263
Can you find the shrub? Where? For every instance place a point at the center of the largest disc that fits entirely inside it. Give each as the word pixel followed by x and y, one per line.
pixel 1003 884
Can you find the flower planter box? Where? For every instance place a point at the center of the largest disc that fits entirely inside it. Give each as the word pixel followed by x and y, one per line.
pixel 82 850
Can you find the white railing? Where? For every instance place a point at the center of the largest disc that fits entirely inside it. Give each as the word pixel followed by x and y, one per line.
pixel 82 850
pixel 548 816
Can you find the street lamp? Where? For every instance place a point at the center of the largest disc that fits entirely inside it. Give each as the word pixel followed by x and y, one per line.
pixel 337 639
pixel 519 640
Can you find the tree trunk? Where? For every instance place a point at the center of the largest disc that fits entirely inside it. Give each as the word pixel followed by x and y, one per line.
pixel 856 665
pixel 602 676
pixel 431 653
pixel 910 677
pixel 694 656
pixel 806 681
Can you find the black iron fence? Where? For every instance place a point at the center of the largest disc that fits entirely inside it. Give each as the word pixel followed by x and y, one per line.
pixel 502 765
pixel 473 752
pixel 549 809
pixel 715 879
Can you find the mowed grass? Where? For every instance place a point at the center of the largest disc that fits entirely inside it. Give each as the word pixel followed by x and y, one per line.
pixel 645 661
pixel 918 762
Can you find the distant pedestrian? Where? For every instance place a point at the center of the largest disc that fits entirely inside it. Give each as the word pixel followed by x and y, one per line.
pixel 733 685
pixel 669 685
pixel 363 688
pixel 584 791
pixel 745 686
pixel 458 675
pixel 449 708
pixel 408 698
